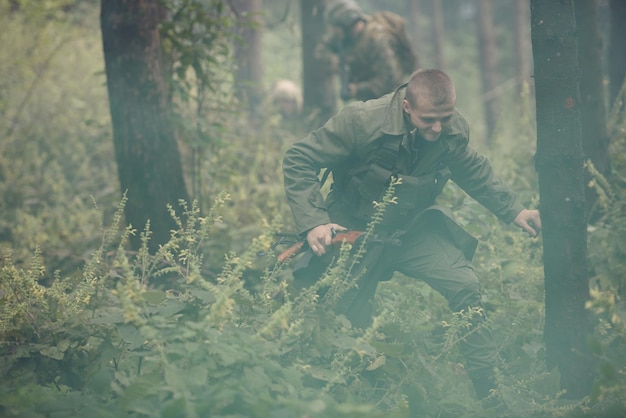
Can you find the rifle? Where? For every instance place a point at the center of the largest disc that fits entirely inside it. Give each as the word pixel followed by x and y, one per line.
pixel 338 239
pixel 345 93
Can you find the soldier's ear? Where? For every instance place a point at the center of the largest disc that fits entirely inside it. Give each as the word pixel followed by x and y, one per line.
pixel 406 106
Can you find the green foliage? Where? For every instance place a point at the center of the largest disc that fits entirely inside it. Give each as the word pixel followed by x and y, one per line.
pixel 206 327
pixel 54 154
pixel 214 348
pixel 607 242
pixel 611 335
pixel 196 36
pixel 607 246
pixel 206 348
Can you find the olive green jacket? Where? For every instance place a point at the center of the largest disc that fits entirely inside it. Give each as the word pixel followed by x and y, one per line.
pixel 350 138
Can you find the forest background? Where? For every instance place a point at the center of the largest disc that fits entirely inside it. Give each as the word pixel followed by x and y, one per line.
pixel 96 320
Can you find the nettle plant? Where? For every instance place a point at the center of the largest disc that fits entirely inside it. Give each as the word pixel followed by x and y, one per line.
pixel 110 342
pixel 146 334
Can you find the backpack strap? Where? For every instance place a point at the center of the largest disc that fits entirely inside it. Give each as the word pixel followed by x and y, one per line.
pixel 386 156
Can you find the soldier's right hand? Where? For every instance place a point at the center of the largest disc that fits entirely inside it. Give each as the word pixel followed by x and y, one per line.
pixel 320 237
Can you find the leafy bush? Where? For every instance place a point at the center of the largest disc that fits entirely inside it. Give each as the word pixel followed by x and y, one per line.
pixel 202 349
pixel 206 327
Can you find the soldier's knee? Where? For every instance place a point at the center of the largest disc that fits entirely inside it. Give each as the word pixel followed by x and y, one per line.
pixel 467 295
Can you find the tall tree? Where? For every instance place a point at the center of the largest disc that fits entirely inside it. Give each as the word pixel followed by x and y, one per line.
pixel 595 135
pixel 414 25
pixel 249 75
pixel 318 85
pixel 487 49
pixel 617 55
pixel 559 162
pixel 522 44
pixel 146 150
pixel 437 31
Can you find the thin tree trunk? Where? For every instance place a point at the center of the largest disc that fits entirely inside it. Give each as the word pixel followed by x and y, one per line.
pixel 559 164
pixel 487 48
pixel 522 45
pixel 249 75
pixel 414 31
pixel 146 151
pixel 617 54
pixel 318 86
pixel 438 34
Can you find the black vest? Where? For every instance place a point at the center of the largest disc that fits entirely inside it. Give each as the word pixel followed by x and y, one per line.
pixel 357 187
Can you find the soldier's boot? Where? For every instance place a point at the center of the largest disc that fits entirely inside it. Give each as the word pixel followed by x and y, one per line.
pixel 487 393
pixel 484 385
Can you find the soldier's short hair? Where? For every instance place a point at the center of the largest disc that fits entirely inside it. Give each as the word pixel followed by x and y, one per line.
pixel 433 85
pixel 343 13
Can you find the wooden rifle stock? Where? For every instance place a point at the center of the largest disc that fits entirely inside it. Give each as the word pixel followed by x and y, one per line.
pixel 338 239
pixel 291 251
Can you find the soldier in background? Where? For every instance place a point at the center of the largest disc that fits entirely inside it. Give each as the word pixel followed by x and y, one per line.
pixel 371 54
pixel 286 97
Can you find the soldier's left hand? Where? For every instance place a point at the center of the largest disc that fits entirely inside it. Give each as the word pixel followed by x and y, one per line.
pixel 321 237
pixel 529 220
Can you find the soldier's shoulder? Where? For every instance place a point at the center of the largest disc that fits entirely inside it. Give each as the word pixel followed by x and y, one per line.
pixel 367 115
pixel 375 28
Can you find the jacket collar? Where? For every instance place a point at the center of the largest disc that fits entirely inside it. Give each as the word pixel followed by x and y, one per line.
pixel 394 122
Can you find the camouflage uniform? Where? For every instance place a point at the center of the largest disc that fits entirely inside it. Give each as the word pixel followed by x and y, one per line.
pixel 371 61
pixel 434 248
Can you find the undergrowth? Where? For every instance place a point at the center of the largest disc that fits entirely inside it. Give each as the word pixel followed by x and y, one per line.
pixel 207 326
pixel 109 341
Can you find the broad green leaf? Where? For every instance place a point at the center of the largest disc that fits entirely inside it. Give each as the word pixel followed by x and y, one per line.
pixel 110 315
pixel 154 297
pixel 56 352
pixel 391 349
pixel 131 335
pixel 172 307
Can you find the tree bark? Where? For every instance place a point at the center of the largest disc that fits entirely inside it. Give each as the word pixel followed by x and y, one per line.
pixel 559 164
pixel 438 34
pixel 249 75
pixel 487 48
pixel 146 151
pixel 617 54
pixel 595 135
pixel 414 24
pixel 318 86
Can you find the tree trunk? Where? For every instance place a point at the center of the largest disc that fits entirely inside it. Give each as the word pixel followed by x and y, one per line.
pixel 487 48
pixel 318 86
pixel 249 75
pixel 595 135
pixel 559 164
pixel 438 32
pixel 522 45
pixel 146 151
pixel 617 54
pixel 414 28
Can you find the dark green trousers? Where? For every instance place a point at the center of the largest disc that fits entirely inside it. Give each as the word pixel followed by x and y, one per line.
pixel 428 253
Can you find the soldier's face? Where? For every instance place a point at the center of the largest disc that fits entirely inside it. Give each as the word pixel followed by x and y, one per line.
pixel 348 35
pixel 429 119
